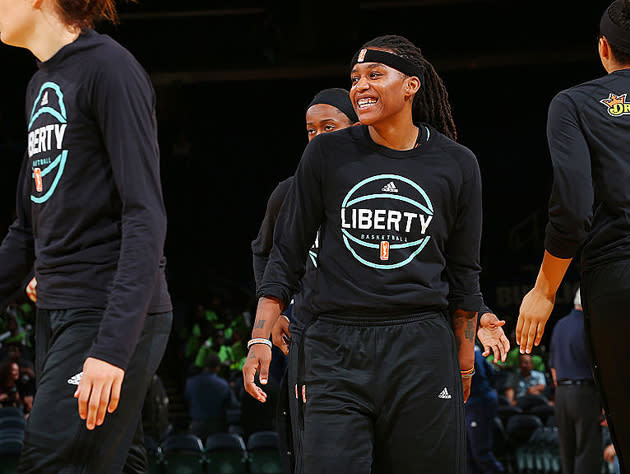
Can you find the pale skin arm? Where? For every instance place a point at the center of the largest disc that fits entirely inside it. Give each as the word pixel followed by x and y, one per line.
pixel 553 377
pixel 538 303
pixel 259 356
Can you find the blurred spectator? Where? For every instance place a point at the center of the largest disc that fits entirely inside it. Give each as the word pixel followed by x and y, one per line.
pixel 9 392
pixel 209 397
pixel 577 404
pixel 26 381
pixel 528 381
pixel 481 408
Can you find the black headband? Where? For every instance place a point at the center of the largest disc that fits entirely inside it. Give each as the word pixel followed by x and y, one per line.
pixel 615 35
pixel 338 98
pixel 399 63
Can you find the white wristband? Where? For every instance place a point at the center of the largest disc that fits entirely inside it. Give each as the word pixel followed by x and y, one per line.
pixel 258 340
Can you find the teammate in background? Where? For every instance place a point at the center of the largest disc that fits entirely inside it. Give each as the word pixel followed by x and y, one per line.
pixel 398 206
pixel 587 131
pixel 91 219
pixel 330 110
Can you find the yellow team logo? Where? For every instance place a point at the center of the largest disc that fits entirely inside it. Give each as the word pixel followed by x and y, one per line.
pixel 616 104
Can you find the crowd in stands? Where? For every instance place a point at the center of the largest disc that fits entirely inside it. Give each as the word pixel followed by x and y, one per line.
pixel 17 372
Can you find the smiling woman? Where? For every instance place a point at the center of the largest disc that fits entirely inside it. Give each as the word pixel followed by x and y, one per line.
pixel 103 306
pixel 398 206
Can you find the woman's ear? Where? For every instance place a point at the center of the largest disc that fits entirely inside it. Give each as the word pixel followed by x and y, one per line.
pixel 412 86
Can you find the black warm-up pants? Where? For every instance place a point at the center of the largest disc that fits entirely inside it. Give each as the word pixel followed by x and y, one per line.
pixel 57 440
pixel 578 411
pixel 606 301
pixel 382 396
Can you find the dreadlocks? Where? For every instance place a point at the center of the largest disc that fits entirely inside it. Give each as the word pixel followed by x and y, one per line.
pixel 430 103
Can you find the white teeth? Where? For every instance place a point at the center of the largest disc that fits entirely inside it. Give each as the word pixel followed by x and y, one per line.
pixel 366 102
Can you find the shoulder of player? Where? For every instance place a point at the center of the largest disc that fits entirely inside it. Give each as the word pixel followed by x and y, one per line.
pixel 458 154
pixel 585 93
pixel 279 193
pixel 111 61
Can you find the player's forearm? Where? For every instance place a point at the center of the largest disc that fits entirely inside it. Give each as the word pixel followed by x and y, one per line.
pixel 551 273
pixel 267 313
pixel 464 328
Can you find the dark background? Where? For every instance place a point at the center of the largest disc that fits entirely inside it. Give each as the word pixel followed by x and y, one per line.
pixel 233 78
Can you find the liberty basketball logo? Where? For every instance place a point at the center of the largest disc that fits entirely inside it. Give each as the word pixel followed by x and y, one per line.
pixel 383 228
pixel 37 174
pixel 46 131
pixel 384 250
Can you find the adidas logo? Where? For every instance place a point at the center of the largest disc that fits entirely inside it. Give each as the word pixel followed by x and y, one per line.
pixel 75 379
pixel 390 188
pixel 44 99
pixel 444 394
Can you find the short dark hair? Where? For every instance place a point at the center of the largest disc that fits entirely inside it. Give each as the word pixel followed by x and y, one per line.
pixel 620 15
pixel 212 361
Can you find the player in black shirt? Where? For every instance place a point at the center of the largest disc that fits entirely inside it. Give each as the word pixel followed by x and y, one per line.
pixel 328 111
pixel 589 209
pixel 91 219
pixel 398 205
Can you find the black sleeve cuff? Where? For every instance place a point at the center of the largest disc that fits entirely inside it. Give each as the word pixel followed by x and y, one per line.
pixel 275 291
pixel 560 247
pixel 470 303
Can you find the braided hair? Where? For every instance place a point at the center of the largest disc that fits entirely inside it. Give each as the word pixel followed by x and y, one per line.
pixel 430 104
pixel 620 15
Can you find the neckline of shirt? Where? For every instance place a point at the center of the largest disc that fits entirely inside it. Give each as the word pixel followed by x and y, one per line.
pixel 426 138
pixel 66 50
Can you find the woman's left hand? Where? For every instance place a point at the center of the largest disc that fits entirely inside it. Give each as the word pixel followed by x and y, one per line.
pixel 492 337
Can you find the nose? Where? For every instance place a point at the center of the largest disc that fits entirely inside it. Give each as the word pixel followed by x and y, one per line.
pixel 362 84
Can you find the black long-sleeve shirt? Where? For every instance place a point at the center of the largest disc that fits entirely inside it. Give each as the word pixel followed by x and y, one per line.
pixel 400 230
pixel 588 132
pixel 262 245
pixel 89 207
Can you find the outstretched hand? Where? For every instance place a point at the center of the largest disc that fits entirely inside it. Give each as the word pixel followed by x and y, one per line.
pixel 98 391
pixel 492 337
pixel 533 316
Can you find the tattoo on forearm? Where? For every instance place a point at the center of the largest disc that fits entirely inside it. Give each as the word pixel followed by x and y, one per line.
pixel 260 324
pixel 464 324
pixel 469 332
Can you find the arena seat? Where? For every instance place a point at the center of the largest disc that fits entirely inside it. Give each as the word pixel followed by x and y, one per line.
pixel 10 448
pixel 183 454
pixel 263 453
pixel 11 412
pixel 226 454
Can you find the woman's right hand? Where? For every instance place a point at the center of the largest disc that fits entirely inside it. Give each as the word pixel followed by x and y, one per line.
pixel 258 360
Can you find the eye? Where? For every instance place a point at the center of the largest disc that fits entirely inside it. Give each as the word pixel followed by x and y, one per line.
pixel 354 79
pixel 329 127
pixel 310 131
pixel 374 74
